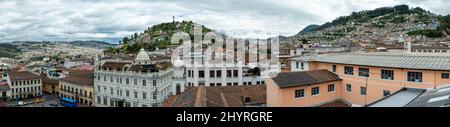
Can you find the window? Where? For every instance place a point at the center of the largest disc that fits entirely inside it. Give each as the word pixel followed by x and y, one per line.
pixel 387 74
pixel 135 81
pixel 211 84
pixel 386 93
pixel 235 84
pixel 445 75
pixel 331 88
pixel 112 91
pixel 296 65
pixel 144 83
pixel 104 78
pixel 334 68
pixel 219 84
pixel 228 84
pixel 228 73
pixel 99 99
pixel 235 73
pixel 348 70
pixel 363 90
pixel 201 74
pixel 302 66
pixel 154 96
pixel 219 73
pixel 154 83
pixel 135 95
pixel 363 72
pixel 315 91
pixel 348 88
pixel 299 93
pixel 212 74
pixel 189 73
pixel 127 81
pixel 144 96
pixel 105 101
pixel 98 78
pixel 414 76
pixel 111 78
pixel 127 93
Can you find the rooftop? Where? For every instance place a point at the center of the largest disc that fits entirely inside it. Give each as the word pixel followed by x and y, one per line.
pixel 304 78
pixel 398 99
pixel 433 98
pixel 391 60
pixel 22 75
pixel 229 96
pixel 83 78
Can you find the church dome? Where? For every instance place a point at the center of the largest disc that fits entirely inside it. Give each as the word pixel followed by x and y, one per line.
pixel 142 56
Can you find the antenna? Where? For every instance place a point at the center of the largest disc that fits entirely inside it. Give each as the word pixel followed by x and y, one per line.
pixel 173 17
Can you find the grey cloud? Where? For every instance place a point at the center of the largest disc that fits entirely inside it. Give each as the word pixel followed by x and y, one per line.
pixel 114 19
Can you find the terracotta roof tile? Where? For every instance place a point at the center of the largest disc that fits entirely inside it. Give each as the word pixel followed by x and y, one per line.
pixel 304 78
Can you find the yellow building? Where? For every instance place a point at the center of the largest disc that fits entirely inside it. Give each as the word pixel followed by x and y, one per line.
pixel 78 86
pixel 24 85
pixel 51 86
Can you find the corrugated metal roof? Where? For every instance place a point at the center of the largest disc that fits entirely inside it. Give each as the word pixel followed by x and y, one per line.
pixel 409 61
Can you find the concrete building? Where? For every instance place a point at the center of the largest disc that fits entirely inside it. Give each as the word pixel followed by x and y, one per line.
pixel 369 77
pixel 430 49
pixel 79 85
pixel 141 82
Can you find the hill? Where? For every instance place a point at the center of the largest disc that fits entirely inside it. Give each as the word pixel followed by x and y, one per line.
pixel 91 44
pixel 308 28
pixel 8 50
pixel 157 36
pixel 385 24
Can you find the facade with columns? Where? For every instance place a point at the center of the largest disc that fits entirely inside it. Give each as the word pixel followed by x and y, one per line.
pixel 137 83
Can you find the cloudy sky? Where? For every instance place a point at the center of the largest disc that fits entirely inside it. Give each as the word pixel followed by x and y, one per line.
pixel 110 20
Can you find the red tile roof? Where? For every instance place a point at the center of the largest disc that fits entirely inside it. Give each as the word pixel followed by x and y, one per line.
pixel 22 75
pixel 304 78
pixel 226 96
pixel 83 78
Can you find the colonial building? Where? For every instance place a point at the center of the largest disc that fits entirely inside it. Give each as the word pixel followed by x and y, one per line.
pixel 220 73
pixel 79 85
pixel 142 82
pixel 4 91
pixel 24 85
pixel 50 86
pixel 366 77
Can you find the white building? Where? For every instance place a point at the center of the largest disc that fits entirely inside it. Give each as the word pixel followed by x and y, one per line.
pixel 219 73
pixel 139 83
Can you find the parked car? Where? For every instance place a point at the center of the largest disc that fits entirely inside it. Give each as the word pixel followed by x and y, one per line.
pixel 21 103
pixel 53 103
pixel 38 100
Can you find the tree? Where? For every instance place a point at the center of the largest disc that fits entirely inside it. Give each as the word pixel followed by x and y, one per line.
pixel 125 40
pixel 135 35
